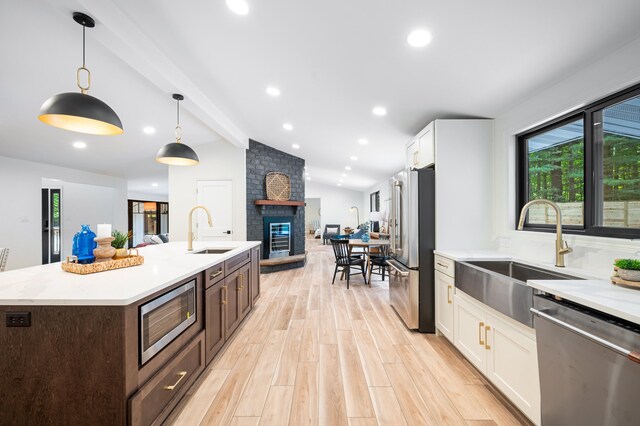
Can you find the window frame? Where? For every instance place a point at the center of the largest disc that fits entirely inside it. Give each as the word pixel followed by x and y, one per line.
pixel 585 113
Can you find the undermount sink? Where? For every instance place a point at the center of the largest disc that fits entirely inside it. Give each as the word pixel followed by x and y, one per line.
pixel 503 285
pixel 520 271
pixel 213 251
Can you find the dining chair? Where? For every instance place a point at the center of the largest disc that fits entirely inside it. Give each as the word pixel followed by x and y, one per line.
pixel 345 261
pixel 378 257
pixel 4 254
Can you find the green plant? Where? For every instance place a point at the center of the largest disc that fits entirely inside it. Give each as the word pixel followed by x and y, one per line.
pixel 630 264
pixel 120 239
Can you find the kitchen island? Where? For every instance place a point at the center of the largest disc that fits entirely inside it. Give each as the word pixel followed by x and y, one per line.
pixel 122 346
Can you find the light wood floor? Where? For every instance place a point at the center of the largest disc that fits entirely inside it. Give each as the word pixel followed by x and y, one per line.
pixel 313 353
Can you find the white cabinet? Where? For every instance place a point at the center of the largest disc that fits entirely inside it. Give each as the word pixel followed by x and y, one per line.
pixel 502 349
pixel 420 151
pixel 444 304
pixel 470 322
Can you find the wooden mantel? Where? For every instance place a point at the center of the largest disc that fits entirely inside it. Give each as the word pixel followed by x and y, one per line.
pixel 264 203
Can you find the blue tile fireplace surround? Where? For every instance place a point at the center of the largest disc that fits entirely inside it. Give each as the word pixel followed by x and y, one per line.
pixel 260 160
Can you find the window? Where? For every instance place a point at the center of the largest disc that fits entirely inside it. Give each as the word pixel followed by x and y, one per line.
pixel 374 201
pixel 588 162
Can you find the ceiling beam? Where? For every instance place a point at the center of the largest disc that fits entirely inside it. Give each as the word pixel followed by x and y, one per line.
pixel 118 33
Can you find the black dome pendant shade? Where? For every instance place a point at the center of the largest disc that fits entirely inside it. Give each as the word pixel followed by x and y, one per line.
pixel 80 112
pixel 176 153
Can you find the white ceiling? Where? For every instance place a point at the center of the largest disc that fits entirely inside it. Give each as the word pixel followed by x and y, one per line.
pixel 332 60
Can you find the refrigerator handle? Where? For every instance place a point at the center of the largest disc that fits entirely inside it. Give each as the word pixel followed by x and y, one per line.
pixel 398 214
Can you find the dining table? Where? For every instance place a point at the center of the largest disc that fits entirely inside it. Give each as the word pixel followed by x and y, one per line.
pixel 366 247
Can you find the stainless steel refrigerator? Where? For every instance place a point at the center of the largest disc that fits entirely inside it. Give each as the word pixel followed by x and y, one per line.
pixel 412 235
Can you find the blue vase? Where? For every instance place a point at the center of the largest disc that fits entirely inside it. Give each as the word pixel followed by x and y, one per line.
pixel 83 245
pixel 366 237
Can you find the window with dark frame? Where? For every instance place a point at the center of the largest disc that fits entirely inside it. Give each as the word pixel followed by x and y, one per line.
pixel 588 162
pixel 374 201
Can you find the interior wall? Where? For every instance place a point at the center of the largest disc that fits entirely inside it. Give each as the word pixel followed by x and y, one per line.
pixel 336 202
pixel 219 160
pixel 605 76
pixel 312 212
pixel 385 202
pixel 20 216
pixel 144 196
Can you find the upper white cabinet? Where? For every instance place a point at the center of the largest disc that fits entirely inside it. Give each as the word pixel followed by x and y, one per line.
pixel 421 149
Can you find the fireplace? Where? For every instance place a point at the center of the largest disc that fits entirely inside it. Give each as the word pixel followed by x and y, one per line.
pixel 279 239
pixel 278 236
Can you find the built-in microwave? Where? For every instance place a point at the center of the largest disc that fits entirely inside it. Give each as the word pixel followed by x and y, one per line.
pixel 163 319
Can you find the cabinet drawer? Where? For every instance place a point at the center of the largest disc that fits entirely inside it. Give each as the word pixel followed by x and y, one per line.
pixel 214 274
pixel 155 399
pixel 445 265
pixel 236 262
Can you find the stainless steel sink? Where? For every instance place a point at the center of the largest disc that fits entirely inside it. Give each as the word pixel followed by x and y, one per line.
pixel 502 284
pixel 212 251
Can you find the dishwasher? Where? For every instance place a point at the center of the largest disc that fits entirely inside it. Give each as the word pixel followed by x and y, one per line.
pixel 589 364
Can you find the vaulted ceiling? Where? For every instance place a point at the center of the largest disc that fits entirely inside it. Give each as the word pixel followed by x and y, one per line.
pixel 333 61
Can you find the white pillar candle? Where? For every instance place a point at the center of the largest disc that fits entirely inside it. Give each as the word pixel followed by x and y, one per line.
pixel 104 230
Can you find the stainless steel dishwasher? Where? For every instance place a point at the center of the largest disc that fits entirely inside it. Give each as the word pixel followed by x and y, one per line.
pixel 589 365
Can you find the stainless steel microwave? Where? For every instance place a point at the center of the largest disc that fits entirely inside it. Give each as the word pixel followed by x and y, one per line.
pixel 163 319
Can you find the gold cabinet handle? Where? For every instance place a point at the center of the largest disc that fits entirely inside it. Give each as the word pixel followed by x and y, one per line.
pixel 486 338
pixel 224 301
pixel 213 276
pixel 480 329
pixel 173 386
pixel 241 286
pixel 449 301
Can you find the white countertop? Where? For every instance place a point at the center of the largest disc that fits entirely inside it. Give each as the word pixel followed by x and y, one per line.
pixel 598 294
pixel 164 265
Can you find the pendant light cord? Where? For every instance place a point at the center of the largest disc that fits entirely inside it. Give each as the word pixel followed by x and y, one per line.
pixel 178 128
pixel 83 89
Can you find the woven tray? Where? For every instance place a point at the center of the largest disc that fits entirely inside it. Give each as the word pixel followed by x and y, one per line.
pixel 615 279
pixel 71 265
pixel 278 186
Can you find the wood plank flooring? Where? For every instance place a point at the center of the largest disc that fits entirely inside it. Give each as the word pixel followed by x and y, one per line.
pixel 316 354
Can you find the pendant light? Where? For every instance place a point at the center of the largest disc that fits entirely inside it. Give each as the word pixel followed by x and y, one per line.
pixel 177 153
pixel 80 112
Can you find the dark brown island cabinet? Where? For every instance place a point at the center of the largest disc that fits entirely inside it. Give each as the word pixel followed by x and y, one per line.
pixel 77 365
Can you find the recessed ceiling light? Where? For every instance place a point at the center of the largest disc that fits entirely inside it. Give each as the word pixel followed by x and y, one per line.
pixel 287 126
pixel 273 91
pixel 308 178
pixel 340 180
pixel 419 38
pixel 380 110
pixel 149 130
pixel 79 145
pixel 306 173
pixel 344 175
pixel 154 184
pixel 241 7
pixel 347 168
pixel 353 158
pixel 295 146
pixel 363 141
pixel 339 184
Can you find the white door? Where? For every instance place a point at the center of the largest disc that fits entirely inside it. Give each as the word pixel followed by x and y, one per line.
pixel 217 196
pixel 444 304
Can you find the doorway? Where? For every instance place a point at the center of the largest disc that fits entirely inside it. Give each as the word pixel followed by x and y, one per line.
pixel 147 218
pixel 51 225
pixel 313 217
pixel 217 197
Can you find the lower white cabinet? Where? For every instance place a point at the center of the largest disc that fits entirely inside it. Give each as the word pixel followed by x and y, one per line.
pixel 502 349
pixel 445 288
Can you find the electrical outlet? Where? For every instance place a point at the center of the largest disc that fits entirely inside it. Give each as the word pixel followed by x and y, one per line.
pixel 18 319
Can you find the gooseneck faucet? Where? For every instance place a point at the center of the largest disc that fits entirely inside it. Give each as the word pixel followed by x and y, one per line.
pixel 190 233
pixel 562 247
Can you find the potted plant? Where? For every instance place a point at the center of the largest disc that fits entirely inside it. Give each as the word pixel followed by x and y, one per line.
pixel 119 242
pixel 628 269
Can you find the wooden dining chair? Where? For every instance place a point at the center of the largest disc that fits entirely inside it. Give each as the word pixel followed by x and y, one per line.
pixel 345 261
